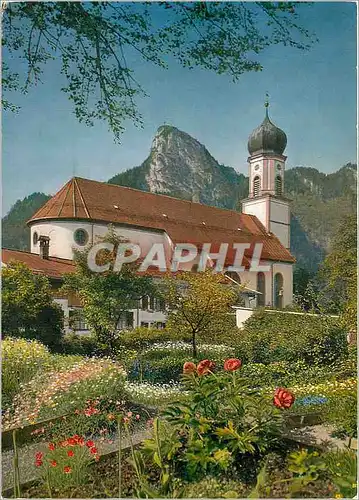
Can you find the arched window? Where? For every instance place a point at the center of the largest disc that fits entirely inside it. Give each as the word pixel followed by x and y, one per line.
pixel 278 291
pixel 261 287
pixel 234 276
pixel 278 185
pixel 256 185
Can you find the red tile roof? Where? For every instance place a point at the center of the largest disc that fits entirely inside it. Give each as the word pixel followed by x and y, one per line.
pixel 52 267
pixel 182 220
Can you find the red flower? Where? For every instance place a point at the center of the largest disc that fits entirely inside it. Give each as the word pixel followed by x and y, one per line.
pixel 232 364
pixel 67 469
pixel 97 458
pixel 51 446
pixel 72 441
pixel 38 463
pixel 53 463
pixel 205 366
pixel 90 444
pixel 70 453
pixel 283 398
pixel 93 450
pixel 189 367
pixel 64 443
pixel 39 455
pixel 81 441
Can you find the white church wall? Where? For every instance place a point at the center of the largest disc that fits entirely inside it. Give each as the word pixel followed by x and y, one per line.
pixel 61 234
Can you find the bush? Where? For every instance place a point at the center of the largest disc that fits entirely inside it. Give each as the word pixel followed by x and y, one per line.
pixel 84 345
pixel 28 308
pixel 219 427
pixel 271 337
pixel 140 338
pixel 21 360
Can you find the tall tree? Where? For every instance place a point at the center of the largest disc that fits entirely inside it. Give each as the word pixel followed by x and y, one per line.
pixel 195 301
pixel 106 296
pixel 95 41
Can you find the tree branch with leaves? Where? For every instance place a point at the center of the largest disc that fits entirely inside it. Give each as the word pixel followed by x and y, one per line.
pixel 94 42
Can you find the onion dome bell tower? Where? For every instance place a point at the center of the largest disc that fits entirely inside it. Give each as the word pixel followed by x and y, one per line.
pixel 266 200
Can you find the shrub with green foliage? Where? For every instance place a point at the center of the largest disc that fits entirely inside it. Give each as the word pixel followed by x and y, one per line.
pixel 221 425
pixel 269 336
pixel 21 360
pixel 28 308
pixel 140 338
pixel 84 345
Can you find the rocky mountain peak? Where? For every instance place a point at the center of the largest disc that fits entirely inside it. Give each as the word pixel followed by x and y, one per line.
pixel 179 164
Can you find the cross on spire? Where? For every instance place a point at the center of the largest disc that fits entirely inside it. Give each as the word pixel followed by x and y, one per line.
pixel 266 103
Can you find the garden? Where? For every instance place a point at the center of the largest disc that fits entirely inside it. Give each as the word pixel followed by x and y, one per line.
pixel 200 409
pixel 154 421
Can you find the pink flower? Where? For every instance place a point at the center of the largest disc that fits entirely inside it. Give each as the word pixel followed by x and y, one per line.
pixel 205 367
pixel 138 417
pixel 189 367
pixel 129 414
pixel 283 398
pixel 232 364
pixel 126 420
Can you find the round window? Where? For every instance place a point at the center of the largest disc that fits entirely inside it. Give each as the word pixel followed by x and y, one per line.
pixel 256 167
pixel 35 238
pixel 81 237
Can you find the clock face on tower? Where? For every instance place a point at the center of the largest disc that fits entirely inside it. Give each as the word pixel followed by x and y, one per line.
pixel 256 167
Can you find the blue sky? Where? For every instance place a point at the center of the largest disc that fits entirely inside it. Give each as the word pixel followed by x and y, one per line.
pixel 312 94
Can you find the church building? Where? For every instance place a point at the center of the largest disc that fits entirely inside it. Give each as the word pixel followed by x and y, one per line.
pixel 82 210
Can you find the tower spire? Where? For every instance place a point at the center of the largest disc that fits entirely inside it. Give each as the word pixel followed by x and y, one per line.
pixel 266 104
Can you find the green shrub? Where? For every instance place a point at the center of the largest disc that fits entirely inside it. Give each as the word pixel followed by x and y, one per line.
pixel 21 360
pixel 28 308
pixel 268 337
pixel 84 345
pixel 220 426
pixel 140 338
